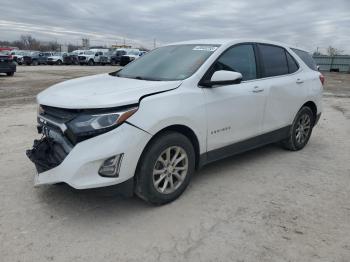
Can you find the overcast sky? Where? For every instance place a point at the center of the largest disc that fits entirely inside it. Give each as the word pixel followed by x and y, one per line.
pixel 305 23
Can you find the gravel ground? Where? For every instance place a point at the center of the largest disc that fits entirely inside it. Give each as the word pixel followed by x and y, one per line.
pixel 265 205
pixel 30 80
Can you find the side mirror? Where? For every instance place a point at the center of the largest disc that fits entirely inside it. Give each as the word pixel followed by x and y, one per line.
pixel 318 68
pixel 223 77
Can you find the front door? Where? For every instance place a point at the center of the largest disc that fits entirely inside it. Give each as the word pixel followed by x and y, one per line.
pixel 234 112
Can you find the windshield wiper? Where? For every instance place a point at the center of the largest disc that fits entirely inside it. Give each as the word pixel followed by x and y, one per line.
pixel 145 78
pixel 133 77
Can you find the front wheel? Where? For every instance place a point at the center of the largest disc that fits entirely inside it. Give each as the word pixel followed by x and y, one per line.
pixel 300 130
pixel 10 73
pixel 165 168
pixel 59 62
pixel 91 62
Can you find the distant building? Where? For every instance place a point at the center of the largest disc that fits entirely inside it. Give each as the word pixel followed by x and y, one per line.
pixel 121 46
pixel 337 63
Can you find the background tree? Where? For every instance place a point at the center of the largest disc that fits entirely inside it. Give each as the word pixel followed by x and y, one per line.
pixel 332 51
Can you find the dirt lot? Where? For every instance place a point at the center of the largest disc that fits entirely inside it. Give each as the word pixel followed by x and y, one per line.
pixel 265 205
pixel 30 80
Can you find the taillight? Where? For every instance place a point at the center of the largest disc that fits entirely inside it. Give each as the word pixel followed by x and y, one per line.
pixel 10 57
pixel 322 79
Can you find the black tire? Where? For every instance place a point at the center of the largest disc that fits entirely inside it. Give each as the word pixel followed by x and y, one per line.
pixel 10 73
pixel 144 178
pixel 292 143
pixel 59 62
pixel 91 62
pixel 35 63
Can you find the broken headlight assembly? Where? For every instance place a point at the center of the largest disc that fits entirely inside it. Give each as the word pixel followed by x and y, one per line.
pixel 87 125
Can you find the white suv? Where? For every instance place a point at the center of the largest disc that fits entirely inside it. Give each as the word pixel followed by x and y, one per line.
pixel 149 125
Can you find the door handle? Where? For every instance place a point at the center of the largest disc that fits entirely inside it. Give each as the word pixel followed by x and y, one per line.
pixel 299 81
pixel 257 89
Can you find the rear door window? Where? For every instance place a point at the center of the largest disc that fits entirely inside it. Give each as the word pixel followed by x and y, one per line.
pixel 274 60
pixel 307 58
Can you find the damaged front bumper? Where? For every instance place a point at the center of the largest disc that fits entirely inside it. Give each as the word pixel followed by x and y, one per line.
pixel 46 154
pixel 78 165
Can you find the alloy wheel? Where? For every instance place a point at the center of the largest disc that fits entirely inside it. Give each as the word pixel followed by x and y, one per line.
pixel 170 170
pixel 303 129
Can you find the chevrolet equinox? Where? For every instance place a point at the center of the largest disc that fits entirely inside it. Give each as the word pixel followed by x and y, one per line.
pixel 150 125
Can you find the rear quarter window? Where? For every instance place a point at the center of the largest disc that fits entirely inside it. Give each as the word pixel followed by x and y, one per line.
pixel 307 58
pixel 292 64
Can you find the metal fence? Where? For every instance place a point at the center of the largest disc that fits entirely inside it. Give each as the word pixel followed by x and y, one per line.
pixel 339 63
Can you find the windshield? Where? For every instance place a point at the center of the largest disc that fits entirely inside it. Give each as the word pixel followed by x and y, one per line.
pixel 132 52
pixel 120 53
pixel 169 63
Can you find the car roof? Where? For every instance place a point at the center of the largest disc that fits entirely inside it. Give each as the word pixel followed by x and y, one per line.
pixel 228 42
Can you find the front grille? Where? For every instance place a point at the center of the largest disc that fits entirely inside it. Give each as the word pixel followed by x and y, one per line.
pixel 59 114
pixel 27 58
pixel 103 59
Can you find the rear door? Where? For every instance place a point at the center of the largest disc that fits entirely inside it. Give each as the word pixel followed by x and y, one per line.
pixel 284 85
pixel 234 112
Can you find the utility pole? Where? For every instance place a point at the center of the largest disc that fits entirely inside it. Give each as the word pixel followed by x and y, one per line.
pixel 154 43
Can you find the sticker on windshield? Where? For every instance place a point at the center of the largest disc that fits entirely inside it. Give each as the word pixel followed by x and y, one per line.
pixel 205 48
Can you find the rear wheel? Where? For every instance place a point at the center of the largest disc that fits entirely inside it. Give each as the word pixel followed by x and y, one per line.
pixel 10 73
pixel 165 168
pixel 300 130
pixel 91 62
pixel 35 63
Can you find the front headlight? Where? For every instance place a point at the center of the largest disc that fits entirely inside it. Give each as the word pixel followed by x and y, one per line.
pixel 88 125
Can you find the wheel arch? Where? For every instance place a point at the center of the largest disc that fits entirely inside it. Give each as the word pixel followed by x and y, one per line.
pixel 184 130
pixel 313 108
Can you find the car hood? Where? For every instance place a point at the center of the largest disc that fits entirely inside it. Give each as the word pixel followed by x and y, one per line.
pixel 101 91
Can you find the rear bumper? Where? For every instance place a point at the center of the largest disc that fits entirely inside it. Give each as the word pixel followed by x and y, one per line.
pixel 7 68
pixel 79 168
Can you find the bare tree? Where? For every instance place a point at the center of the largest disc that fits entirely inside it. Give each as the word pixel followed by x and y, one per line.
pixel 53 46
pixel 332 51
pixel 29 42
